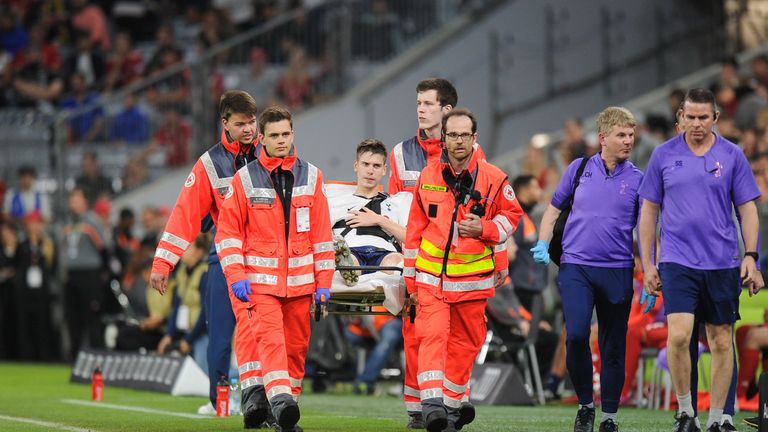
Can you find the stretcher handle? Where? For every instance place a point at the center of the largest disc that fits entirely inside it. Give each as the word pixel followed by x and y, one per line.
pixel 371 268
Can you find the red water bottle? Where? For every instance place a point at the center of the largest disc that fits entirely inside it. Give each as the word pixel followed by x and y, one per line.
pixel 222 397
pixel 97 385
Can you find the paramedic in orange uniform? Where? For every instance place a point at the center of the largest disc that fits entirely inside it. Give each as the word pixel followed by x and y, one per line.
pixel 276 249
pixel 462 213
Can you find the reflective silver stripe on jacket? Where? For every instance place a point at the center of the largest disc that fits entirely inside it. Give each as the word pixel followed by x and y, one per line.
pixel 309 188
pixel 323 247
pixel 263 279
pixel 476 285
pixel 250 190
pixel 405 175
pixel 259 261
pixel 210 169
pixel 325 265
pixel 410 253
pixel 508 228
pixel 301 279
pixel 167 255
pixel 427 278
pixel 301 261
pixel 175 240
pixel 228 243
pixel 231 259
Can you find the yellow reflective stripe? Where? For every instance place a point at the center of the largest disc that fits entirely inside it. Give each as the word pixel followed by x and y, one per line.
pixel 456 269
pixel 436 252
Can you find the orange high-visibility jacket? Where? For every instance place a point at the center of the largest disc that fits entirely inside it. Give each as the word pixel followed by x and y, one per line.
pixel 470 269
pixel 203 193
pixel 409 157
pixel 250 236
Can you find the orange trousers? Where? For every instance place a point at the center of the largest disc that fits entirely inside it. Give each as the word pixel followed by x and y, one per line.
pixel 246 345
pixel 282 327
pixel 447 330
pixel 411 349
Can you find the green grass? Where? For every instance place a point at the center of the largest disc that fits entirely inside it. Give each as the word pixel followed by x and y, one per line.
pixel 38 392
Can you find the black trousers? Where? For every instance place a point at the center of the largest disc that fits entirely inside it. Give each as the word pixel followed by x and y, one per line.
pixel 83 299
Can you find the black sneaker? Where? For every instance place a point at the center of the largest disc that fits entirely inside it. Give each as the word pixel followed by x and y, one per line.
pixel 585 420
pixel 609 426
pixel 451 427
pixel 289 416
pixel 726 426
pixel 436 421
pixel 714 428
pixel 466 415
pixel 685 423
pixel 753 421
pixel 270 422
pixel 415 421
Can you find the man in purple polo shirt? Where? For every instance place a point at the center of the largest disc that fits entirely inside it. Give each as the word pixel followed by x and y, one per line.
pixel 596 267
pixel 697 178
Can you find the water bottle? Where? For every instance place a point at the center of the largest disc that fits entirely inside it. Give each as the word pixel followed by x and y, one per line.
pixel 234 397
pixel 222 397
pixel 97 385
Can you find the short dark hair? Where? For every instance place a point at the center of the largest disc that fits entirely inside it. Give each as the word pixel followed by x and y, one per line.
pixel 446 92
pixel 126 213
pixel 236 101
pixel 26 170
pixel 274 114
pixel 522 181
pixel 203 242
pixel 460 112
pixel 371 145
pixel 730 61
pixel 700 95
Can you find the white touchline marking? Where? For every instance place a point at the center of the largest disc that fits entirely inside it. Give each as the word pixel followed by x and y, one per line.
pixel 51 425
pixel 133 408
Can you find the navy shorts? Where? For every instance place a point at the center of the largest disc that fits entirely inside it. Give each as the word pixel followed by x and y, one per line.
pixel 712 295
pixel 369 256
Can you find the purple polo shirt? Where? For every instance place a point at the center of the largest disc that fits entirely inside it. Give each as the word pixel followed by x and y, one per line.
pixel 605 209
pixel 697 195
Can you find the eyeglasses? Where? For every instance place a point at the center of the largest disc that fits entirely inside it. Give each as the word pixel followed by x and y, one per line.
pixel 455 136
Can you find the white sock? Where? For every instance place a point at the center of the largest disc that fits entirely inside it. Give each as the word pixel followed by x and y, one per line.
pixel 726 418
pixel 715 415
pixel 590 405
pixel 610 416
pixel 685 404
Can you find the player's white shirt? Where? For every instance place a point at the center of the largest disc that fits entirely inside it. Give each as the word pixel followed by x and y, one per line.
pixel 342 202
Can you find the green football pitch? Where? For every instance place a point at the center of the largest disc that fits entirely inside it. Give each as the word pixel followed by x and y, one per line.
pixel 40 398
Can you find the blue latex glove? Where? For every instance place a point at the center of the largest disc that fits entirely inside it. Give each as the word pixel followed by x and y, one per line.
pixel 541 252
pixel 241 289
pixel 322 295
pixel 651 301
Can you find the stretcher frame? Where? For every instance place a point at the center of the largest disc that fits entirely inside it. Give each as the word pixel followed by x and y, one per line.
pixel 361 303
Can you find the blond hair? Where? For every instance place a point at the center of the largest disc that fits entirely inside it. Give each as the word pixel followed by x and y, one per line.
pixel 614 116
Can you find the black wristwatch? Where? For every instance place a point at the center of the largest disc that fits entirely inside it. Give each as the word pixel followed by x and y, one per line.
pixel 754 255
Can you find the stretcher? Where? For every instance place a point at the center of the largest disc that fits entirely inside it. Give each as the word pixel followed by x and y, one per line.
pixel 370 290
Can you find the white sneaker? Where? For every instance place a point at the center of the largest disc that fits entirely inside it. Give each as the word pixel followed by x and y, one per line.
pixel 207 409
